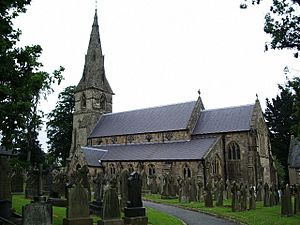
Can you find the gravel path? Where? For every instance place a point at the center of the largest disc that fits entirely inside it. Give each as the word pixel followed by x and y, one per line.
pixel 189 217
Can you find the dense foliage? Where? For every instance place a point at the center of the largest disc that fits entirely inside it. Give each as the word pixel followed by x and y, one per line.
pixel 283 120
pixel 22 84
pixel 60 125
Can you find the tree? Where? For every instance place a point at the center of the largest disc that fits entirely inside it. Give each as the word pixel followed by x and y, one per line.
pixel 22 83
pixel 282 24
pixel 282 116
pixel 60 125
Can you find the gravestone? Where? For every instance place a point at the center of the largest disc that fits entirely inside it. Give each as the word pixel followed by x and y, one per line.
pixel 252 200
pixel 145 187
pixel 208 198
pixel 180 188
pixel 266 195
pixel 185 190
pixel 200 190
pixel 228 189
pixel 135 213
pixel 32 183
pixel 168 186
pixel 154 185
pixel 259 191
pixel 235 206
pixel 58 186
pixel 272 196
pixel 78 207
pixel 96 207
pixel 219 193
pixel 124 187
pixel 17 180
pixel 243 197
pixel 5 188
pixel 37 213
pixel 286 202
pixel 193 191
pixel 111 207
pixel 297 199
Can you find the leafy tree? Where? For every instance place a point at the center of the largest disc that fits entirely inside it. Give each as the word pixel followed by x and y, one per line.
pixel 283 120
pixel 60 125
pixel 282 24
pixel 22 83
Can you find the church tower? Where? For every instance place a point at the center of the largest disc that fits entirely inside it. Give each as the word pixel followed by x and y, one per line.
pixel 93 94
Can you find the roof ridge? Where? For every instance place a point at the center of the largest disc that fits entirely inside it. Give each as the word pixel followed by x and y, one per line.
pixel 229 107
pixel 153 107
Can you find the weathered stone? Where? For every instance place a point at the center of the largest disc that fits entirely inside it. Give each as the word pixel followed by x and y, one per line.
pixel 272 196
pixel 208 198
pixel 243 197
pixel 297 199
pixel 124 187
pixel 259 192
pixel 252 200
pixel 5 179
pixel 219 193
pixel 134 213
pixel 228 189
pixel 78 207
pixel 153 185
pixel 266 195
pixel 58 187
pixel 32 183
pixel 193 190
pixel 17 180
pixel 37 213
pixel 286 203
pixel 200 190
pixel 235 206
pixel 111 207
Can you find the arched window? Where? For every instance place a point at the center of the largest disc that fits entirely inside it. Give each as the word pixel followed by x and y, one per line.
pixel 234 152
pixel 151 169
pixel 83 101
pixel 186 171
pixel 112 169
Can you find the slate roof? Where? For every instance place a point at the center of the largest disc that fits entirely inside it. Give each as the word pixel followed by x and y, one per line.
pixel 156 119
pixel 187 150
pixel 224 120
pixel 294 153
pixel 92 155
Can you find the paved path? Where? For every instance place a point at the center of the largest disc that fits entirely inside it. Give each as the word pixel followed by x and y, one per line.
pixel 189 217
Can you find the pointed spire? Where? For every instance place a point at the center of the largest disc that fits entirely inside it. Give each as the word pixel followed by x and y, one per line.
pixel 93 73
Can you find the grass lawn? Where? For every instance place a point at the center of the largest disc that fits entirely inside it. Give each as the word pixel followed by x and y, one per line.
pixel 155 217
pixel 260 216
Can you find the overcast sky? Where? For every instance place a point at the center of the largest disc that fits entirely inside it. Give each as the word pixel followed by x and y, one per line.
pixel 161 52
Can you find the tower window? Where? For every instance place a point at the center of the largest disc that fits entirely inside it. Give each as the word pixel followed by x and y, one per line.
pixel 83 101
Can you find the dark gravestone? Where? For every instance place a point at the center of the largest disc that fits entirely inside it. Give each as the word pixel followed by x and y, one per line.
pixel 37 213
pixel 96 207
pixel 243 197
pixel 32 183
pixel 297 199
pixel 185 190
pixel 124 187
pixel 234 194
pixel 259 192
pixel 219 193
pixel 228 189
pixel 135 213
pixel 200 186
pixel 154 185
pixel 180 188
pixel 272 196
pixel 193 190
pixel 208 198
pixel 17 180
pixel 286 203
pixel 252 200
pixel 266 195
pixel 111 207
pixel 78 207
pixel 5 179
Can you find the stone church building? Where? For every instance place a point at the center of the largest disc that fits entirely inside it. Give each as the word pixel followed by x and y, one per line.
pixel 185 138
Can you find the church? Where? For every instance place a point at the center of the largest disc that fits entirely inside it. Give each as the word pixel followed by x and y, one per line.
pixel 185 139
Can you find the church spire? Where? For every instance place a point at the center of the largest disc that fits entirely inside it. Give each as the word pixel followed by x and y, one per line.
pixel 93 72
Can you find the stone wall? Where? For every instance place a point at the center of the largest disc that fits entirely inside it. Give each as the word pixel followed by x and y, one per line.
pixel 159 137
